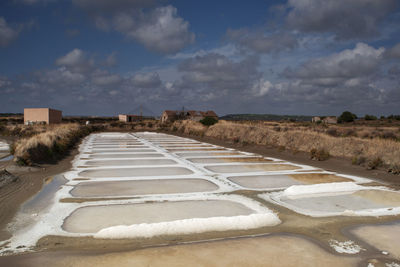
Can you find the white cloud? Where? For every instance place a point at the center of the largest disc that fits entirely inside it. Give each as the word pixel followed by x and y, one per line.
pixel 261 87
pixel 7 34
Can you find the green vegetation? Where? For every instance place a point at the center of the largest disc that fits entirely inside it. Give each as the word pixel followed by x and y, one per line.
pixel 347 116
pixel 265 117
pixel 370 118
pixel 208 121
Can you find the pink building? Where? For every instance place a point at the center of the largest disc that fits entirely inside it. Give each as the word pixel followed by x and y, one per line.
pixel 42 115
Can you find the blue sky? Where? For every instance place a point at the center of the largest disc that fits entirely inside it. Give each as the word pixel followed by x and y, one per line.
pixel 100 57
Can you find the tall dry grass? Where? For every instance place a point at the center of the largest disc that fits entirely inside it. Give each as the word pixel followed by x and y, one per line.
pixel 298 139
pixel 49 145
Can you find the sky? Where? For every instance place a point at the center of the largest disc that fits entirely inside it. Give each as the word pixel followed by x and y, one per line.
pixel 299 57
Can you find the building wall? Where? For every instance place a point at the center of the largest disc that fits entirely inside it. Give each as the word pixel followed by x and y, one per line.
pixel 55 116
pixel 123 118
pixel 45 115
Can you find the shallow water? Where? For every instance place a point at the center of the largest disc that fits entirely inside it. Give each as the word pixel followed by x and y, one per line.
pixel 142 187
pixel 94 218
pixel 250 168
pixel 43 198
pixel 134 172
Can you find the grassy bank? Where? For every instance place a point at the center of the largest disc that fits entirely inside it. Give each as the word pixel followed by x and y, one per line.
pixel 50 144
pixel 372 153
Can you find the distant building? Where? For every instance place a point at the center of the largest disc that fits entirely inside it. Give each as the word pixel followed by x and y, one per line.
pixel 316 119
pixel 129 118
pixel 330 120
pixel 209 113
pixel 42 115
pixel 172 115
pixel 327 120
pixel 194 115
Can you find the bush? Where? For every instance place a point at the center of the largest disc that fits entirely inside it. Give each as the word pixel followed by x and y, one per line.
pixel 370 118
pixel 394 169
pixel 375 163
pixel 358 160
pixel 319 154
pixel 208 121
pixel 347 116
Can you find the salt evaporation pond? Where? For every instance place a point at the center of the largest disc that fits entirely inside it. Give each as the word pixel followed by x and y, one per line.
pixel 205 154
pixel 282 181
pixel 133 162
pixel 250 168
pixel 384 237
pixel 92 219
pixel 142 187
pixel 228 159
pixel 340 202
pixel 135 172
pixel 122 150
pixel 130 155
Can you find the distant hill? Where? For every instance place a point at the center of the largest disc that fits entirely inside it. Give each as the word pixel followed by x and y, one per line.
pixel 265 117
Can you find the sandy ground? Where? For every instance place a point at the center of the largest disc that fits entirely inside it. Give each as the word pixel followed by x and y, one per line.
pixel 260 251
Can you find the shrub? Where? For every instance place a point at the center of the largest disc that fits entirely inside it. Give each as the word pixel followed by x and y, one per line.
pixel 375 163
pixel 332 132
pixel 394 169
pixel 319 154
pixel 358 160
pixel 347 116
pixel 208 121
pixel 370 118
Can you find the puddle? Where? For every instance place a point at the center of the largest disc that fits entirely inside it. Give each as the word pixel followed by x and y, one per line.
pixel 382 237
pixel 94 218
pixel 131 155
pixel 142 187
pixel 134 162
pixel 341 202
pixel 273 251
pixel 135 172
pixel 250 168
pixel 27 214
pixel 231 159
pixel 7 158
pixel 43 198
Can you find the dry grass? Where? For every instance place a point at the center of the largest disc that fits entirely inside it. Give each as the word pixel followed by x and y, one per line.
pixel 299 138
pixel 48 145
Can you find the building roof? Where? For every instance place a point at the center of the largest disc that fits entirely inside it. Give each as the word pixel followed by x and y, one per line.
pixel 209 113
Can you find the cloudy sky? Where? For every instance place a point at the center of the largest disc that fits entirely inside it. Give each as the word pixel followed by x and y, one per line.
pixel 101 57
